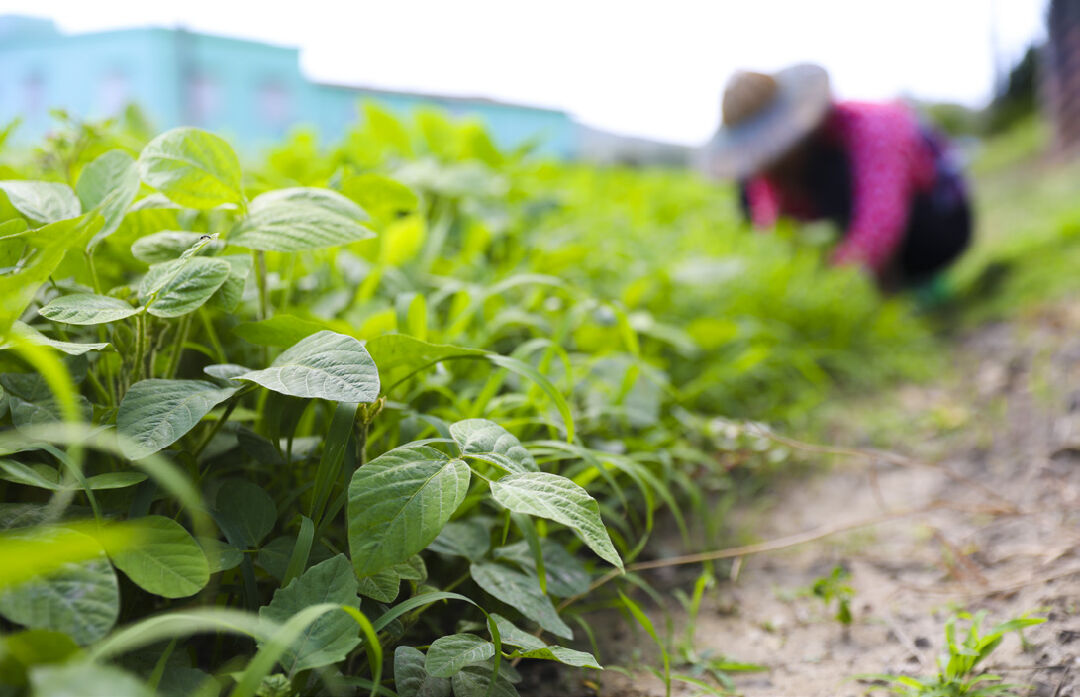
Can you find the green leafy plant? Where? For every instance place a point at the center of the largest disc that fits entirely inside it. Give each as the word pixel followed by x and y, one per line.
pixel 378 411
pixel 835 587
pixel 956 676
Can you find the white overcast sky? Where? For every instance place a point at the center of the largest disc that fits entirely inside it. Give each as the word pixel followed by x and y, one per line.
pixel 653 69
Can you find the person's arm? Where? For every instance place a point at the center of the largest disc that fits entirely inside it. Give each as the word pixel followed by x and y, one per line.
pixel 881 192
pixel 762 205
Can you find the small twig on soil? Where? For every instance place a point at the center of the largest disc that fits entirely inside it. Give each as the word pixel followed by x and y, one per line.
pixel 994 590
pixel 770 546
pixel 1031 668
pixel 1061 683
pixel 892 458
pixel 962 566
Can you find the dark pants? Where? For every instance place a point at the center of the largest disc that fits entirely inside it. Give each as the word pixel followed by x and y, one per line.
pixel 939 228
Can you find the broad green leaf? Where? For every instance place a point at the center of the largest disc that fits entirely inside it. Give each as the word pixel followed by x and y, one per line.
pixel 399 356
pixel 557 498
pixel 115 480
pixel 168 562
pixel 156 413
pixel 83 679
pixel 108 185
pixel 469 538
pixel 475 681
pixel 411 679
pixel 31 387
pixel 18 289
pixel 38 476
pixel 13 228
pixel 46 477
pixel 42 202
pixel 226 371
pixel 33 336
pixel 399 502
pixel 178 287
pixel 412 570
pixel 281 330
pixel 80 599
pixel 449 654
pixel 383 586
pixel 324 365
pixel 511 635
pixel 274 556
pixel 300 219
pixel 193 168
pixel 330 638
pixel 21 651
pixel 167 245
pixel 244 512
pixel 24 515
pixel 32 402
pixel 566 574
pixel 220 556
pixel 14 246
pixel 385 128
pixel 87 308
pixel 382 196
pixel 230 294
pixel 179 679
pixel 570 657
pixel 33 551
pixel 401 240
pixel 521 592
pixel 491 442
pixel 154 201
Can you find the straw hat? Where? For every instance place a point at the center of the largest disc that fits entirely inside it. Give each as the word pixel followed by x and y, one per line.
pixel 766 115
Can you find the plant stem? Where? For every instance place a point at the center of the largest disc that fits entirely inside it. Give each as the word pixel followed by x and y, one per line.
pixel 216 427
pixel 260 280
pixel 211 334
pixel 104 395
pixel 140 348
pixel 361 442
pixel 93 272
pixel 178 345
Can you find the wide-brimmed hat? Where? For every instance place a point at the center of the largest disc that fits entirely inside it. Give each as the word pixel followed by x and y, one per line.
pixel 764 116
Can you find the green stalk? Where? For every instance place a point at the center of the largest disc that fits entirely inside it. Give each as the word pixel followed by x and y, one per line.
pixel 140 348
pixel 216 427
pixel 104 395
pixel 178 345
pixel 260 280
pixel 93 272
pixel 211 334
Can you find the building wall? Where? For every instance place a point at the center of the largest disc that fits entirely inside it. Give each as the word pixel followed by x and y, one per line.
pixel 91 76
pixel 252 93
pixel 247 91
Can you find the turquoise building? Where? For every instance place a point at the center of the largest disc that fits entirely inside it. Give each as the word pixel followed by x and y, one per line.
pixel 248 91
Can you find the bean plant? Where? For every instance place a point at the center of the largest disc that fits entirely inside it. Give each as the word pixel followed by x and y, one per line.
pixel 371 419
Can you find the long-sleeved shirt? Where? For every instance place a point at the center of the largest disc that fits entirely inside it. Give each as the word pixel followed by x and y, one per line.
pixel 889 161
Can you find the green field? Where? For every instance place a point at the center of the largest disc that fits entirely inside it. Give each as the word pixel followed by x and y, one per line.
pixel 374 416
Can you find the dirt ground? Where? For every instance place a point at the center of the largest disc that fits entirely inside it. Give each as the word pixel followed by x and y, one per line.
pixel 997 481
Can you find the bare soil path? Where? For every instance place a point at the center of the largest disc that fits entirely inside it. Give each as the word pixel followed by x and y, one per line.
pixel 1003 535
